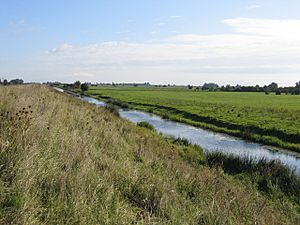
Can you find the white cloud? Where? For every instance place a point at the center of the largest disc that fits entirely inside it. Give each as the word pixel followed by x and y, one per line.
pixel 253 7
pixel 258 51
pixel 279 29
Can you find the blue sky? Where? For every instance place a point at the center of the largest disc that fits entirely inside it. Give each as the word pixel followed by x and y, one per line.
pixel 161 41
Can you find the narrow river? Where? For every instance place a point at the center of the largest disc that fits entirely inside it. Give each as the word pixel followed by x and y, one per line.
pixel 209 140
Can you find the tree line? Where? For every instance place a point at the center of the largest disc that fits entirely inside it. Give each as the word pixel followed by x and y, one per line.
pixel 77 85
pixel 11 82
pixel 273 87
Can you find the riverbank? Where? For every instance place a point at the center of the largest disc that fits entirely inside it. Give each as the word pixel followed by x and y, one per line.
pixel 64 161
pixel 270 120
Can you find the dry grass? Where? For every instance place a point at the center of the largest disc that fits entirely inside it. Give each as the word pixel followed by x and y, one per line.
pixel 63 161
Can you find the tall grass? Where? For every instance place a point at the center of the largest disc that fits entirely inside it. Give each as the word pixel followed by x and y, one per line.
pixel 69 162
pixel 269 176
pixel 147 125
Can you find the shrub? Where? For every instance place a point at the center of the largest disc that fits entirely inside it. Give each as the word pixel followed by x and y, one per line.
pixel 181 141
pixel 147 125
pixel 118 103
pixel 190 152
pixel 84 87
pixel 112 108
pixel 165 116
pixel 266 174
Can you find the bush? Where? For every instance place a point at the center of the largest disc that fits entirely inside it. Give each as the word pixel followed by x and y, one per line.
pixel 112 108
pixel 181 141
pixel 84 87
pixel 147 125
pixel 118 103
pixel 266 174
pixel 190 152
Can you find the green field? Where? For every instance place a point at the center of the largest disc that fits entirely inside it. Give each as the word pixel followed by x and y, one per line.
pixel 268 119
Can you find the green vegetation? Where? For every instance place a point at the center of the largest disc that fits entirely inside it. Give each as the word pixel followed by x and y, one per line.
pixel 112 108
pixel 63 161
pixel 270 119
pixel 264 174
pixel 147 125
pixel 84 87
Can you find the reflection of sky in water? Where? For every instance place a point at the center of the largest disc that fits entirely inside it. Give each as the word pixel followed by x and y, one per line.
pixel 208 140
pixel 93 101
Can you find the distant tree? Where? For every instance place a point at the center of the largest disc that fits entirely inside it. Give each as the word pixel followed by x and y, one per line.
pixel 297 88
pixel 210 86
pixel 5 82
pixel 77 84
pixel 190 86
pixel 16 81
pixel 272 87
pixel 84 87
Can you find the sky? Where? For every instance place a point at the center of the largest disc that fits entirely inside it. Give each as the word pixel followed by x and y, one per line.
pixel 245 42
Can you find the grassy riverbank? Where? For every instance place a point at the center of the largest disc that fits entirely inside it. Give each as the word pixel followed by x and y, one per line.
pixel 268 119
pixel 63 161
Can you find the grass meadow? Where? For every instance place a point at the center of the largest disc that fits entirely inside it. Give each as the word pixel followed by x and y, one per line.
pixel 268 119
pixel 63 161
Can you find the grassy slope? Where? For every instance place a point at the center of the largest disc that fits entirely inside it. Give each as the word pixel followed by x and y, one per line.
pixel 263 118
pixel 68 162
